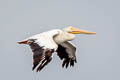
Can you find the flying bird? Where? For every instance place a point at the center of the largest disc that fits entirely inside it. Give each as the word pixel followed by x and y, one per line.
pixel 44 45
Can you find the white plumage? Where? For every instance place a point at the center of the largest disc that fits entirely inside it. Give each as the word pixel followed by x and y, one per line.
pixel 45 44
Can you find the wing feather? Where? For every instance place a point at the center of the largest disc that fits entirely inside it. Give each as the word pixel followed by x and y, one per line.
pixel 42 54
pixel 67 51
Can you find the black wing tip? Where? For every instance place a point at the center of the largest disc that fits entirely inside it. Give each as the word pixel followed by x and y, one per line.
pixel 37 70
pixel 33 68
pixel 72 63
pixel 68 62
pixel 75 61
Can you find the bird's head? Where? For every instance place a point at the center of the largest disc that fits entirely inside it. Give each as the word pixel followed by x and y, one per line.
pixel 74 30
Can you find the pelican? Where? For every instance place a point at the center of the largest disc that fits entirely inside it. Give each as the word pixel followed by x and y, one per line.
pixel 44 45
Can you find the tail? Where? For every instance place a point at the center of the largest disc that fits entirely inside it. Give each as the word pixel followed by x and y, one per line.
pixel 23 42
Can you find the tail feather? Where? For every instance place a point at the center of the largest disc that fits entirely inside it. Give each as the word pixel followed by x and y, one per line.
pixel 23 42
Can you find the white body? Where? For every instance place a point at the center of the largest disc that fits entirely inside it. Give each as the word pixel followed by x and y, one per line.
pixel 51 38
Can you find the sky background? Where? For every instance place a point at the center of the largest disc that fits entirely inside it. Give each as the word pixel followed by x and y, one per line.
pixel 98 55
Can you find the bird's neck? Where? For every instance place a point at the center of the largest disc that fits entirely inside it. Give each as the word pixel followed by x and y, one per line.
pixel 64 36
pixel 69 36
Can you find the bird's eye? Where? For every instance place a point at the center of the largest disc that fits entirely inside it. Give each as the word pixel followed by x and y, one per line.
pixel 72 28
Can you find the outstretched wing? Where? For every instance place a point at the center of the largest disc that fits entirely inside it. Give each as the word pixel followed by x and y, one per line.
pixel 42 49
pixel 67 51
pixel 41 55
pixel 42 46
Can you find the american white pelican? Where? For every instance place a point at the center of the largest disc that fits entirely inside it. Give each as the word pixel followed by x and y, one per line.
pixel 43 46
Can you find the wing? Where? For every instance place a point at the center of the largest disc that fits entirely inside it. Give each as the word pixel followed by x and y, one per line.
pixel 67 51
pixel 43 46
pixel 42 52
